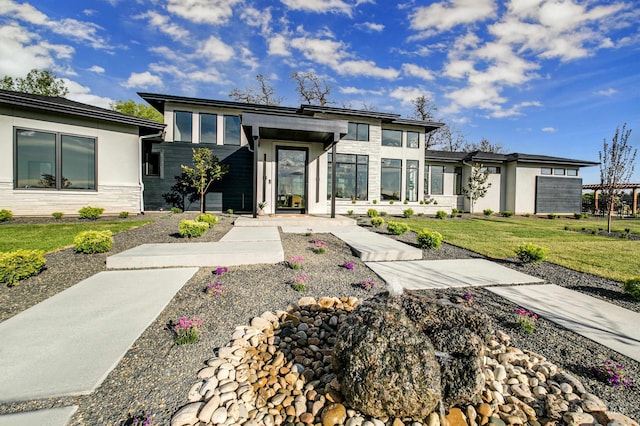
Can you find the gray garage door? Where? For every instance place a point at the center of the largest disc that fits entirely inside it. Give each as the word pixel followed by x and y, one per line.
pixel 560 195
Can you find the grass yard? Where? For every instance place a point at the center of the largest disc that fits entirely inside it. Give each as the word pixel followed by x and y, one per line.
pixel 55 236
pixel 613 258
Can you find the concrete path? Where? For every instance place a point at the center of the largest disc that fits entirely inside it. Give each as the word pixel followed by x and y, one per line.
pixel 47 417
pixel 301 221
pixel 605 323
pixel 67 344
pixel 430 274
pixel 374 247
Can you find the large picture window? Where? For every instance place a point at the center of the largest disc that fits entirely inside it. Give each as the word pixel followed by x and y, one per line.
pixel 390 179
pixel 437 180
pixel 54 161
pixel 391 137
pixel 412 180
pixel 231 130
pixel 357 132
pixel 182 126
pixel 352 176
pixel 208 128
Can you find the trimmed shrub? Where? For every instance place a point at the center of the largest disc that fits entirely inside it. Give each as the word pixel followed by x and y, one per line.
pixel 93 242
pixel 123 215
pixel 383 213
pixel 377 222
pixel 487 212
pixel 406 202
pixel 578 216
pixel 632 287
pixel 441 214
pixel 372 213
pixel 91 213
pixel 207 218
pixel 407 213
pixel 350 212
pixel 57 215
pixel 553 216
pixel 229 211
pixel 429 239
pixel 421 202
pixel 5 215
pixel 527 215
pixel 353 201
pixel 191 228
pixel 390 201
pixel 531 253
pixel 176 210
pixel 375 201
pixel 454 212
pixel 397 228
pixel 507 213
pixel 20 264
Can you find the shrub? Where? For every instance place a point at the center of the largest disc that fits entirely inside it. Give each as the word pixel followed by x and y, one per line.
pixel 375 201
pixel 187 330
pixel 407 213
pixel 507 213
pixel 383 213
pixel 123 215
pixel 441 214
pixel 526 320
pixel 487 212
pixel 191 228
pixel 207 218
pixel 435 202
pixel 579 216
pixel 5 215
pixel 406 202
pixel 372 213
pixel 353 201
pixel 421 202
pixel 229 211
pixel 632 287
pixel 295 262
pixel 20 264
pixel 377 222
pixel 454 212
pixel 93 242
pixel 92 213
pixel 429 239
pixel 397 228
pixel 553 216
pixel 57 215
pixel 390 201
pixel 300 283
pixel 176 210
pixel 527 215
pixel 350 212
pixel 531 253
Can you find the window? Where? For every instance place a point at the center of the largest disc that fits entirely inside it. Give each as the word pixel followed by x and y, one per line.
pixel 352 176
pixel 231 130
pixel 572 172
pixel 151 161
pixel 413 140
pixel 412 181
pixel 390 179
pixel 182 127
pixel 437 180
pixel 54 160
pixel 545 171
pixel 208 128
pixel 391 137
pixel 458 172
pixel 426 181
pixel 357 132
pixel 558 172
pixel 491 169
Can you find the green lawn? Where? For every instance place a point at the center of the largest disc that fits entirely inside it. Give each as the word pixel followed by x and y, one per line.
pixel 614 258
pixel 54 236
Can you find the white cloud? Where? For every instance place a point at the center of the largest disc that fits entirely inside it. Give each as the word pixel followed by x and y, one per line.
pixel 549 129
pixel 23 12
pixel 514 110
pixel 80 93
pixel 319 6
pixel 257 18
pixel 163 24
pixel 215 12
pixel 350 90
pixel 97 69
pixel 278 46
pixel 443 16
pixel 371 27
pixel 606 92
pixel 414 70
pixel 405 94
pixel 216 50
pixel 142 80
pixel 26 51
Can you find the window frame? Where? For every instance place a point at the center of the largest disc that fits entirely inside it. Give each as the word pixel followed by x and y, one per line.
pixel 572 172
pixel 434 175
pixel 215 120
pixel 360 163
pixel 357 136
pixel 546 171
pixel 559 171
pixel 418 140
pixel 412 165
pixel 399 169
pixel 382 141
pixel 225 133
pixel 175 126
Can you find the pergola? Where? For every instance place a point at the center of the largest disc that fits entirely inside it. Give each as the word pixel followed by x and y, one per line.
pixel 633 186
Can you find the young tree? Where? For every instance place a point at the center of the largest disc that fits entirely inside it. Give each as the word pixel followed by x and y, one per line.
pixel 206 170
pixel 617 162
pixel 130 107
pixel 37 82
pixel 477 185
pixel 263 95
pixel 311 88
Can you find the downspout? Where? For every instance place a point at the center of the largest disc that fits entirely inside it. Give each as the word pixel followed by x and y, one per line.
pixel 256 140
pixel 333 178
pixel 470 201
pixel 140 182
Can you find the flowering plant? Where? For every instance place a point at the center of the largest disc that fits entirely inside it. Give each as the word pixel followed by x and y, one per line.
pixel 309 232
pixel 526 320
pixel 187 330
pixel 348 265
pixel 320 247
pixel 214 288
pixel 141 420
pixel 295 262
pixel 469 297
pixel 367 284
pixel 300 282
pixel 221 270
pixel 613 373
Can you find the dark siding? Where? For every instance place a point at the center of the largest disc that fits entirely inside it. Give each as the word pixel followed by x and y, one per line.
pixel 236 186
pixel 560 195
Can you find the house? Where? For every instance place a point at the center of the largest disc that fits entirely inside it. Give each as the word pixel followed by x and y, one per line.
pixel 61 155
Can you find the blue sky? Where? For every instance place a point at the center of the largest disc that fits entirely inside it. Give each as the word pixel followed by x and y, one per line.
pixel 551 77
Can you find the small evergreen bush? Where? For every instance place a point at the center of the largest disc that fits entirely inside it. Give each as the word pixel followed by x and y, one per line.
pixel 632 287
pixel 57 215
pixel 406 202
pixel 20 264
pixel 383 213
pixel 553 216
pixel 91 213
pixel 507 213
pixel 441 214
pixel 531 253
pixel 421 202
pixel 579 216
pixel 207 218
pixel 93 242
pixel 397 228
pixel 487 212
pixel 407 213
pixel 5 215
pixel 375 201
pixel 372 213
pixel 353 201
pixel 350 212
pixel 377 222
pixel 429 239
pixel 176 210
pixel 123 215
pixel 390 201
pixel 229 211
pixel 454 212
pixel 191 228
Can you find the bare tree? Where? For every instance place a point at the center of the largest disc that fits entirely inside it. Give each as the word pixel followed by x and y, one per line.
pixel 311 88
pixel 617 162
pixel 477 185
pixel 263 95
pixel 446 138
pixel 484 146
pixel 423 108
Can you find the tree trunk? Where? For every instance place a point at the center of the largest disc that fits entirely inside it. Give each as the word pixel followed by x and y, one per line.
pixel 202 202
pixel 610 215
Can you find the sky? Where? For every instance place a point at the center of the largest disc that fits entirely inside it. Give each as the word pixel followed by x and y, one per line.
pixel 548 77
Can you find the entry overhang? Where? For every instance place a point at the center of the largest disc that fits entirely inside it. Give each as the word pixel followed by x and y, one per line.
pixel 292 128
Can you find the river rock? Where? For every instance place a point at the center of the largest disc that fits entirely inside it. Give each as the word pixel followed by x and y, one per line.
pixel 333 414
pixel 187 415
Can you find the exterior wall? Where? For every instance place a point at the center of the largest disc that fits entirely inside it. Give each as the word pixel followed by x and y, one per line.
pixel 495 195
pixel 117 166
pixel 525 188
pixel 510 171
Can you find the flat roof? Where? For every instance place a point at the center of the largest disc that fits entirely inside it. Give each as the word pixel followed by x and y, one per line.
pixel 492 157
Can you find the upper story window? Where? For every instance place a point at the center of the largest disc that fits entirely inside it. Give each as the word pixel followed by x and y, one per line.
pixel 231 130
pixel 391 137
pixel 572 172
pixel 491 169
pixel 182 126
pixel 208 128
pixel 545 171
pixel 357 132
pixel 54 160
pixel 413 140
pixel 558 171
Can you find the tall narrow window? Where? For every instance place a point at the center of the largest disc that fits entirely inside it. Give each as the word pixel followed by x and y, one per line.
pixel 437 180
pixel 412 180
pixel 426 181
pixel 182 126
pixel 231 130
pixel 78 166
pixel 390 179
pixel 391 137
pixel 458 172
pixel 352 176
pixel 208 128
pixel 413 140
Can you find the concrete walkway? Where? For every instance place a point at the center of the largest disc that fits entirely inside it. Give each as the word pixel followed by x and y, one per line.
pixel 47 417
pixel 374 247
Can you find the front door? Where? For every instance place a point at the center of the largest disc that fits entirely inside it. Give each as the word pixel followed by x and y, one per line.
pixel 291 180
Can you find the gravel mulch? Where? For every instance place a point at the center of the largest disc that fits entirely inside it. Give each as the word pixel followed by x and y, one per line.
pixel 155 375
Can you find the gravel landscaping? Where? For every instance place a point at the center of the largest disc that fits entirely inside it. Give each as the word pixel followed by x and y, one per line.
pixel 155 375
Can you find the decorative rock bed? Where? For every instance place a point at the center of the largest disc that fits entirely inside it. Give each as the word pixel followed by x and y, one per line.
pixel 278 371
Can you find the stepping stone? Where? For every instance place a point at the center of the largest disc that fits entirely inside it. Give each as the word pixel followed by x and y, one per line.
pixel 256 234
pixel 48 417
pixel 374 247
